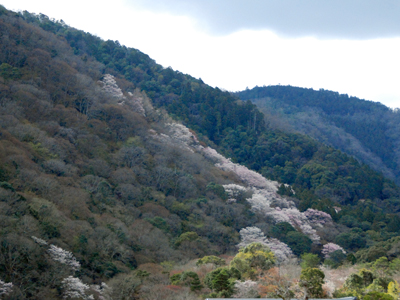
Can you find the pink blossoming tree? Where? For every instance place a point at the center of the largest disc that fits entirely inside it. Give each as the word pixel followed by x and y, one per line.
pixel 250 235
pixel 327 249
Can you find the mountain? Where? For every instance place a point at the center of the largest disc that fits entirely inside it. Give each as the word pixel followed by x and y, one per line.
pixel 363 129
pixel 117 175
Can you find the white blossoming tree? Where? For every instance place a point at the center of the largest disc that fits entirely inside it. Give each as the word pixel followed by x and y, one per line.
pixel 63 256
pixel 5 288
pixel 74 288
pixel 250 235
pixel 59 255
pixel 328 248
pixel 245 289
pixel 317 217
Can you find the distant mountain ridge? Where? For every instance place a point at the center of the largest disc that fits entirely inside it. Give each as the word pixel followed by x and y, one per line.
pixel 363 129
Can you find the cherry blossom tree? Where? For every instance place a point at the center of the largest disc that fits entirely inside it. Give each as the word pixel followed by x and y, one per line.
pixel 251 178
pixel 74 288
pixel 134 100
pixel 245 289
pixel 60 255
pixel 177 135
pixel 39 241
pixel 110 87
pixel 317 217
pixel 234 191
pixel 327 249
pixel 63 256
pixel 5 288
pixel 103 291
pixel 265 199
pixel 250 235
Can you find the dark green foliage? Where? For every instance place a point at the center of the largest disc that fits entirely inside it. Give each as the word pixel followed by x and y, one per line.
pixel 383 282
pixel 360 280
pixel 8 72
pixel 357 117
pixel 309 260
pixel 351 258
pixel 312 280
pixel 3 173
pixel 222 280
pixel 389 248
pixel 217 189
pixel 186 237
pixel 394 223
pixel 142 274
pixel 189 278
pixel 159 223
pixel 285 190
pixel 351 240
pixel 335 259
pixel 281 230
pixel 298 242
pixel 7 186
pixel 211 260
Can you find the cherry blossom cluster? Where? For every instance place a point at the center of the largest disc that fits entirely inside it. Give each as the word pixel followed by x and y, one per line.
pixel 281 250
pixel 38 240
pixel 250 235
pixel 182 134
pixel 298 220
pixel 110 86
pixel 5 288
pixel 136 103
pixel 251 178
pixel 264 198
pixel 63 256
pixel 60 255
pixel 178 135
pixel 234 191
pixel 103 291
pixel 246 289
pixel 74 288
pixel 327 249
pixel 261 202
pixel 317 217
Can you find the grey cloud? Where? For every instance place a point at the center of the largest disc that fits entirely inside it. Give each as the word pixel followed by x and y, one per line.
pixel 349 19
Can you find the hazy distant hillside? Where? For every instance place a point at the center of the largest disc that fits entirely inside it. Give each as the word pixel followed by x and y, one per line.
pixel 365 129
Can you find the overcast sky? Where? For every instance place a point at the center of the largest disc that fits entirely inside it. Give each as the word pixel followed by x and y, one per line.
pixel 349 46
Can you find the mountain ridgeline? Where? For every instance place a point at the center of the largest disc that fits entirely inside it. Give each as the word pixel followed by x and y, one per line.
pixel 108 173
pixel 364 129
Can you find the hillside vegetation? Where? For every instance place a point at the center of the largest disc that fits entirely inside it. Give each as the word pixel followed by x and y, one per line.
pixel 364 129
pixel 105 192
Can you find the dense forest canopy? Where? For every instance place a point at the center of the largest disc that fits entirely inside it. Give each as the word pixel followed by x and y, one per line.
pixel 363 129
pixel 115 179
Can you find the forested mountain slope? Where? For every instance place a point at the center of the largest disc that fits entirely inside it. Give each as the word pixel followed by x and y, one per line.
pixel 101 181
pixel 364 129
